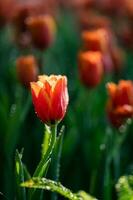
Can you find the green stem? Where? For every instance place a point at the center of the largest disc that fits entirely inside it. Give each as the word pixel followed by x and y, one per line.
pixel 52 186
pixel 48 152
pixel 107 176
pixel 56 160
pixel 41 169
pixel 114 143
pixel 46 140
pixel 119 138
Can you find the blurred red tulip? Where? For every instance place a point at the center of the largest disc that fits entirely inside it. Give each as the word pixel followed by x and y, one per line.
pixel 90 68
pixel 120 103
pixel 50 98
pixel 27 69
pixel 42 29
pixel 96 40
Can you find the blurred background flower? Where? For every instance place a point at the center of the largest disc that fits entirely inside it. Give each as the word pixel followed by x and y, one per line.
pixel 27 69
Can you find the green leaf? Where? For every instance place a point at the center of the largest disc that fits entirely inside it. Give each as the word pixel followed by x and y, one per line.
pixel 46 141
pixel 43 165
pixel 26 173
pixel 46 184
pixel 57 155
pixel 86 196
pixel 55 165
pixel 40 168
pixel 20 192
pixel 43 172
pixel 124 188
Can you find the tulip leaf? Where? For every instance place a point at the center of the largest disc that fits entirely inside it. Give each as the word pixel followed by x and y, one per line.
pixel 125 188
pixel 46 141
pixel 43 172
pixel 57 154
pixel 86 196
pixel 40 168
pixel 46 184
pixel 26 173
pixel 43 165
pixel 20 192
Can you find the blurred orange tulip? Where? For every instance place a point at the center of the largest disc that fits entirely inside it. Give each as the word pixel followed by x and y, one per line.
pixel 120 103
pixel 90 68
pixel 96 40
pixel 27 69
pixel 50 98
pixel 42 29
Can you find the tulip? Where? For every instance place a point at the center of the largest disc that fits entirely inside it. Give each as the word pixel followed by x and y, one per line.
pixel 96 40
pixel 90 68
pixel 50 98
pixel 42 30
pixel 120 103
pixel 27 69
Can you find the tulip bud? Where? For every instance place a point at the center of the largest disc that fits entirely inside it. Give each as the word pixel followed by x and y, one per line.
pixel 42 29
pixel 27 69
pixel 120 103
pixel 50 98
pixel 96 40
pixel 90 68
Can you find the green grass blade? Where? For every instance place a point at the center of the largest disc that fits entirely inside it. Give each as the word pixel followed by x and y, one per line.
pixel 46 184
pixel 20 192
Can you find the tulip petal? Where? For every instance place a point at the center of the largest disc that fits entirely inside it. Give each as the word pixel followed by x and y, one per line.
pixel 35 89
pixel 59 99
pixel 124 93
pixel 43 105
pixel 111 87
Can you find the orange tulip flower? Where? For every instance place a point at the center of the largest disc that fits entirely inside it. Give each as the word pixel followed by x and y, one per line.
pixel 27 69
pixel 96 40
pixel 50 98
pixel 120 103
pixel 90 68
pixel 42 29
